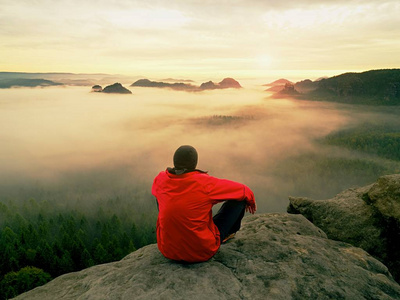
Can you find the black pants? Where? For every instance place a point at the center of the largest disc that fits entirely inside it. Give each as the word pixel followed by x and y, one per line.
pixel 229 217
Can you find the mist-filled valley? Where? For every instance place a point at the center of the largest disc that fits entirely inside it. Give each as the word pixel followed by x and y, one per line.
pixel 77 167
pixel 72 145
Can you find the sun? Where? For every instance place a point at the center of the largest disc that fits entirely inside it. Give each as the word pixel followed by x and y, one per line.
pixel 263 61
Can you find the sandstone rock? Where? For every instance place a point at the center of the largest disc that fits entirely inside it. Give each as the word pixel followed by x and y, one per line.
pixel 346 217
pixel 366 217
pixel 385 196
pixel 273 256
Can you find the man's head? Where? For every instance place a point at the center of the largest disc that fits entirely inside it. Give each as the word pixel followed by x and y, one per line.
pixel 185 157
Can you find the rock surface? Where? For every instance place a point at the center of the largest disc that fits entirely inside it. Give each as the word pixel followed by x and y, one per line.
pixel 273 256
pixel 366 217
pixel 385 196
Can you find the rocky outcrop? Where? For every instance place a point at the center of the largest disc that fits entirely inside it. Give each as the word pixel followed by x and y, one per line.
pixel 116 88
pixel 306 86
pixel 209 85
pixel 273 256
pixel 289 90
pixel 384 195
pixel 366 217
pixel 227 83
pixel 97 88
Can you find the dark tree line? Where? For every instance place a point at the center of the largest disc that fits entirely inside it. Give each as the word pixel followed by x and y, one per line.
pixel 382 140
pixel 41 240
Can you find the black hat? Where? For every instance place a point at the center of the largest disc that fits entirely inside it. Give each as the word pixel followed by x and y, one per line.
pixel 185 158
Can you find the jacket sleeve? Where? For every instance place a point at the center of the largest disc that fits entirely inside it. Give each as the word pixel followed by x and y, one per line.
pixel 222 189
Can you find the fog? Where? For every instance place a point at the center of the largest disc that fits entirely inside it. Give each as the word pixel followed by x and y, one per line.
pixel 72 144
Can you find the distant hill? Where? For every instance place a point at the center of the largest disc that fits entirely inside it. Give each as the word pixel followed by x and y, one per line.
pixel 306 86
pixel 25 82
pixel 375 87
pixel 61 78
pixel 157 84
pixel 381 87
pixel 224 84
pixel 281 82
pixel 97 88
pixel 116 88
pixel 177 80
pixel 227 83
pixel 275 88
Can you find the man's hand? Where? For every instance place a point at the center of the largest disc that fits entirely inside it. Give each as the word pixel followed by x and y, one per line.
pixel 251 207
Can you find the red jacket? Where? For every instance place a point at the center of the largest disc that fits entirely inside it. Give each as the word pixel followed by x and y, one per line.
pixel 185 228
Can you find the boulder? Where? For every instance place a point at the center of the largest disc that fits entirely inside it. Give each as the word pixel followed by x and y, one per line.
pixel 366 217
pixel 273 256
pixel 384 195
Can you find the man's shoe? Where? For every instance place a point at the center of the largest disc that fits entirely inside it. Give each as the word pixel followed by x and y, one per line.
pixel 231 236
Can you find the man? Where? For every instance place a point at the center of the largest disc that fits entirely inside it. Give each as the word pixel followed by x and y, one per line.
pixel 186 230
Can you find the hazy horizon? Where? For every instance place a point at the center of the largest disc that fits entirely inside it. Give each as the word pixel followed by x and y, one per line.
pixel 251 81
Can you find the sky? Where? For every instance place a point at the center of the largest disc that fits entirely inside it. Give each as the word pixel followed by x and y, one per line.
pixel 199 38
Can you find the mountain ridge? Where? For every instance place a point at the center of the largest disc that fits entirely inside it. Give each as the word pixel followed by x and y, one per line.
pixel 373 87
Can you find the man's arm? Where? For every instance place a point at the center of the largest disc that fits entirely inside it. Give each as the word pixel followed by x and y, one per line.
pixel 222 189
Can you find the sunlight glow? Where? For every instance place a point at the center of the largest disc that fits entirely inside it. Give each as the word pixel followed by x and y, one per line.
pixel 263 61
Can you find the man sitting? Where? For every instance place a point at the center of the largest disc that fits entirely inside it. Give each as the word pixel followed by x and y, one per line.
pixel 186 230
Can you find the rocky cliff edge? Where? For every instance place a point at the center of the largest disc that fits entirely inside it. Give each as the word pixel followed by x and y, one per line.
pixel 273 256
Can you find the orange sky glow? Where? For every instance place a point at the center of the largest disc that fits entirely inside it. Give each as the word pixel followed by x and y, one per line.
pixel 199 39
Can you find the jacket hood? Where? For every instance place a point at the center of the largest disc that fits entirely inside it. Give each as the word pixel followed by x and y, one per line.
pixel 176 171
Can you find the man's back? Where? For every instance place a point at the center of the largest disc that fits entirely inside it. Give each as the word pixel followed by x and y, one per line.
pixel 185 229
